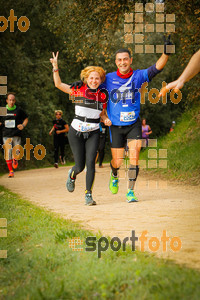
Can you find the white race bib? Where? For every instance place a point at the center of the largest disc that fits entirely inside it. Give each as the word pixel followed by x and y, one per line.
pixel 84 127
pixel 126 116
pixel 10 123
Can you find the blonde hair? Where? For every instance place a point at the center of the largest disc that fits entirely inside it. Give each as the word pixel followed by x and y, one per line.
pixel 86 72
pixel 59 111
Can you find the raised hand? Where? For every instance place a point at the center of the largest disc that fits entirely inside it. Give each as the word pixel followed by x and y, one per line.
pixel 176 85
pixel 54 60
pixel 77 84
pixel 167 42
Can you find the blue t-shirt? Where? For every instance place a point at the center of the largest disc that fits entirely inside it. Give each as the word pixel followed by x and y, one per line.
pixel 123 106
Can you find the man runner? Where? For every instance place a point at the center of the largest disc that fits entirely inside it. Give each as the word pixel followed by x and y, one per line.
pixel 13 124
pixel 123 110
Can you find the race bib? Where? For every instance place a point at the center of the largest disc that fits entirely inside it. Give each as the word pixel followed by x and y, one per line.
pixel 10 123
pixel 127 116
pixel 84 127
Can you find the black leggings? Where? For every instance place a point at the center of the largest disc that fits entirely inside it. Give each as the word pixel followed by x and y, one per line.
pixel 102 143
pixel 59 142
pixel 84 151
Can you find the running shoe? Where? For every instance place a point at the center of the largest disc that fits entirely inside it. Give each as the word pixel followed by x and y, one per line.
pixel 130 196
pixel 11 174
pixel 88 200
pixel 70 184
pixel 113 184
pixel 56 165
pixel 15 164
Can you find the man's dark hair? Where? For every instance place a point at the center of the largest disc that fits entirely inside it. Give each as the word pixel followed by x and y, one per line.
pixel 122 51
pixel 10 93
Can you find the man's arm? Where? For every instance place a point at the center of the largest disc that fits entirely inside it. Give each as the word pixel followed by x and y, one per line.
pixel 161 62
pixel 192 69
pixel 23 125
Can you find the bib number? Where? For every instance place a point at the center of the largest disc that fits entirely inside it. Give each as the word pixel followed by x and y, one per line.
pixel 10 123
pixel 84 127
pixel 127 116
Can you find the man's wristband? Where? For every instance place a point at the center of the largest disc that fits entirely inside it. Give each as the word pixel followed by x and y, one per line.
pixel 55 70
pixel 23 125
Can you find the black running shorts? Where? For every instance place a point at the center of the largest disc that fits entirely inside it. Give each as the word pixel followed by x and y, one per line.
pixel 120 134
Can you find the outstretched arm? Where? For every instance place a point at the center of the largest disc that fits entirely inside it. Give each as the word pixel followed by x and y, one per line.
pixel 161 62
pixel 56 77
pixel 190 71
pixel 164 57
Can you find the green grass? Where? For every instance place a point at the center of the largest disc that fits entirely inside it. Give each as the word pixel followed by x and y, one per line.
pixel 183 148
pixel 40 264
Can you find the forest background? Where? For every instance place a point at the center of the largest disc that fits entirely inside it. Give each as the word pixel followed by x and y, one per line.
pixel 87 33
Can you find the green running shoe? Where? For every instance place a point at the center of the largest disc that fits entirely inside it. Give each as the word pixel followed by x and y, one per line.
pixel 113 184
pixel 130 196
pixel 88 200
pixel 70 184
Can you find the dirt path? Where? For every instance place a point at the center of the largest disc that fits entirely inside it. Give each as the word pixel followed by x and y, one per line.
pixel 162 206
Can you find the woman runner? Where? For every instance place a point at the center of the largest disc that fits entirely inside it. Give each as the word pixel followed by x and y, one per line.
pixel 84 130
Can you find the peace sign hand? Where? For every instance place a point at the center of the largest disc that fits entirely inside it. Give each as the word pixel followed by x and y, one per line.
pixel 54 60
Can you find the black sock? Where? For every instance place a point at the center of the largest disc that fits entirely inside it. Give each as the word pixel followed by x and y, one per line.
pixel 114 170
pixel 132 176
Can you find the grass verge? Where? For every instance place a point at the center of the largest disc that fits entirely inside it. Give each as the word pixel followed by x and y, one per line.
pixel 40 264
pixel 183 144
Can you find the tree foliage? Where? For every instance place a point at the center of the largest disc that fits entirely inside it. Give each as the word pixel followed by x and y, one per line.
pixel 87 33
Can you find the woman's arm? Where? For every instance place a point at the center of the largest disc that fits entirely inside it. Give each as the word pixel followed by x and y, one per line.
pixel 56 77
pixel 150 131
pixel 105 118
pixel 63 130
pixel 52 129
